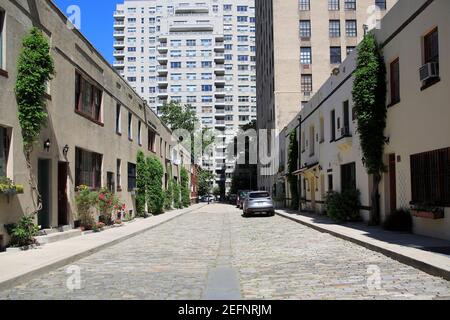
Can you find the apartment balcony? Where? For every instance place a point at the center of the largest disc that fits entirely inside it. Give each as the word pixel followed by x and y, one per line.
pixel 119 53
pixel 219 70
pixel 191 27
pixel 162 59
pixel 162 38
pixel 119 14
pixel 119 64
pixel 220 113
pixel 219 37
pixel 119 24
pixel 163 93
pixel 219 47
pixel 162 70
pixel 191 9
pixel 119 44
pixel 220 124
pixel 219 80
pixel 345 141
pixel 220 102
pixel 119 34
pixel 162 81
pixel 162 48
pixel 219 57
pixel 219 92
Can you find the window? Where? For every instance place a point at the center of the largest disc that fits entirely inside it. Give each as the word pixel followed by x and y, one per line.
pixel 306 83
pixel 380 4
pixel 304 5
pixel 88 168
pixel 88 98
pixel 131 176
pixel 140 133
pixel 351 28
pixel 395 81
pixel 322 130
pixel 4 151
pixel 335 55
pixel 207 88
pixel 305 28
pixel 348 176
pixel 335 28
pixel 312 140
pixel 350 49
pixel 333 5
pixel 130 126
pixel 2 21
pixel 430 177
pixel 350 4
pixel 118 119
pixel 305 55
pixel 175 65
pixel 333 125
pixel 118 174
pixel 431 46
pixel 151 140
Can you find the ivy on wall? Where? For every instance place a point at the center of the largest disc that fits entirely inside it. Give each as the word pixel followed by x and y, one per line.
pixel 155 193
pixel 142 177
pixel 292 167
pixel 369 96
pixel 185 192
pixel 35 68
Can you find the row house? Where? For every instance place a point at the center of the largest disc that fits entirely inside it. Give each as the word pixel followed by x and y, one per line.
pixel 414 38
pixel 96 123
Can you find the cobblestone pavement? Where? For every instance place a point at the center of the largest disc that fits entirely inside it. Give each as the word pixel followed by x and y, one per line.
pixel 273 258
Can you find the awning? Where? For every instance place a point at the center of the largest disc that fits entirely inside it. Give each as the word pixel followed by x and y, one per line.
pixel 309 167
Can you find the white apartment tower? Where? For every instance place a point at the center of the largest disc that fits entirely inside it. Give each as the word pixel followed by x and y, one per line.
pixel 201 53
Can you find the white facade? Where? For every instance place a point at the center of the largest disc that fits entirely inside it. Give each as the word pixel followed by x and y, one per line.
pixel 197 53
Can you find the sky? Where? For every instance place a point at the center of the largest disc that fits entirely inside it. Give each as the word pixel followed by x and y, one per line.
pixel 96 22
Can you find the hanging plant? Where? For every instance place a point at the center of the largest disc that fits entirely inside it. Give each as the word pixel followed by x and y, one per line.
pixel 292 167
pixel 35 68
pixel 369 96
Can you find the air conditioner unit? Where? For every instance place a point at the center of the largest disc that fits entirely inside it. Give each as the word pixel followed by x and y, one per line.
pixel 429 71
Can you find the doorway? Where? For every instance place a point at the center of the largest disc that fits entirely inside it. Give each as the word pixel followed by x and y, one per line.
pixel 44 187
pixel 392 183
pixel 63 168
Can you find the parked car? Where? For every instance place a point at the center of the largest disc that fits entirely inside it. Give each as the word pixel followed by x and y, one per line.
pixel 232 198
pixel 259 202
pixel 209 198
pixel 242 194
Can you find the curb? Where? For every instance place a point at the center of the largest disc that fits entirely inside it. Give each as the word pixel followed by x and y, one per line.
pixel 53 265
pixel 418 264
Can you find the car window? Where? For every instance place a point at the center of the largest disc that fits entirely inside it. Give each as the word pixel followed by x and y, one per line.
pixel 259 195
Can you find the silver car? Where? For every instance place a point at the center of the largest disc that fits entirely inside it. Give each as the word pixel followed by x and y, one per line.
pixel 258 202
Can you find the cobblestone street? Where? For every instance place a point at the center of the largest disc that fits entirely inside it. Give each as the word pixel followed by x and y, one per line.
pixel 273 258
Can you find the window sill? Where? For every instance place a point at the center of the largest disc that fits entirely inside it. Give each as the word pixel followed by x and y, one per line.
pixel 429 84
pixel 89 118
pixel 4 73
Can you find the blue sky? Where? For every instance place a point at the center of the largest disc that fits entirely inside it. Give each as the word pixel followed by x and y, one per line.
pixel 96 22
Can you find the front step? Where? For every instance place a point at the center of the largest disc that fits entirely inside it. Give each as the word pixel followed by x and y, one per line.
pixel 58 236
pixel 46 232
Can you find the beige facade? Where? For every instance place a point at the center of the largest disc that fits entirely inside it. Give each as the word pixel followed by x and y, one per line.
pixel 417 156
pixel 123 126
pixel 299 43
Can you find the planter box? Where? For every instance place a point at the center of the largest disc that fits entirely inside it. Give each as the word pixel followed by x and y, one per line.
pixel 428 214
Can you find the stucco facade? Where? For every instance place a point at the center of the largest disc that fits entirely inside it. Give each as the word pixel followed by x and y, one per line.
pixel 124 124
pixel 417 124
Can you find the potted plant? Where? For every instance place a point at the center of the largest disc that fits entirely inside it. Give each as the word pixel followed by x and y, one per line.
pixel 23 233
pixel 8 188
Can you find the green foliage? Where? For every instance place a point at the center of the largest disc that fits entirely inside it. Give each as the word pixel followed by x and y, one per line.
pixel 24 232
pixel 369 96
pixel 85 200
pixel 204 178
pixel 185 190
pixel 7 187
pixel 177 196
pixel 142 178
pixel 155 193
pixel 399 220
pixel 107 202
pixel 168 202
pixel 292 167
pixel 35 69
pixel 343 206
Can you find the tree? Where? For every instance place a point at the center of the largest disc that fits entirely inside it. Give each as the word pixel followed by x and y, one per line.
pixel 185 190
pixel 35 69
pixel 369 96
pixel 292 167
pixel 204 178
pixel 177 196
pixel 142 178
pixel 155 193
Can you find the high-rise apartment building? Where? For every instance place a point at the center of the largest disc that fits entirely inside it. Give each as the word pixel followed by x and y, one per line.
pixel 199 53
pixel 299 43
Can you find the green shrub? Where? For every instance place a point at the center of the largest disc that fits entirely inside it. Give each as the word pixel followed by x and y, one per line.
pixel 85 200
pixel 142 176
pixel 399 220
pixel 168 202
pixel 155 193
pixel 106 203
pixel 176 196
pixel 185 192
pixel 343 206
pixel 23 233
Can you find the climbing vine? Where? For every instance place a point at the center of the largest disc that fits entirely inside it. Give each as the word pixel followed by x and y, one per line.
pixel 292 167
pixel 155 193
pixel 185 192
pixel 369 96
pixel 142 176
pixel 35 68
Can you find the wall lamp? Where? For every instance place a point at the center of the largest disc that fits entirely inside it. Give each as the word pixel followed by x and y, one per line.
pixel 47 145
pixel 65 150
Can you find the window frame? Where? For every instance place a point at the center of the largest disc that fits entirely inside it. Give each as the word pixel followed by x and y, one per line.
pixel 96 93
pixel 395 81
pixel 95 170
